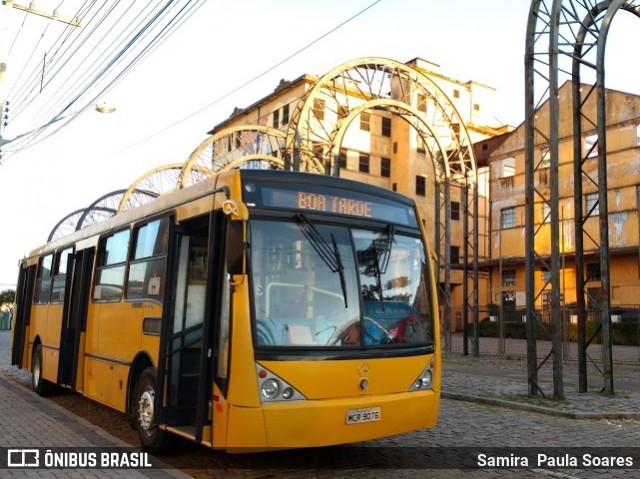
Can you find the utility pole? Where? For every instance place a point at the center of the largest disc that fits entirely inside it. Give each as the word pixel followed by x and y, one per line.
pixel 31 9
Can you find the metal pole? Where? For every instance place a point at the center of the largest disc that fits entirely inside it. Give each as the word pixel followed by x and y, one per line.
pixel 476 258
pixel 465 269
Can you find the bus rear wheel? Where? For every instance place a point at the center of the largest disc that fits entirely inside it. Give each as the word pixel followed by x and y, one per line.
pixel 152 438
pixel 40 385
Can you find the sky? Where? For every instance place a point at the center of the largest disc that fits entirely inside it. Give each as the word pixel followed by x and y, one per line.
pixel 160 115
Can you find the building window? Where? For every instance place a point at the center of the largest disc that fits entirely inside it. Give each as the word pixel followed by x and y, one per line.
pixel 455 210
pixel 363 165
pixel 507 168
pixel 421 185
pixel 546 212
pixel 276 119
pixel 591 206
pixel 456 93
pixel 545 160
pixel 476 107
pixel 385 167
pixel 395 147
pixel 593 272
pixel 386 127
pixel 508 277
pixel 318 108
pixel 342 158
pixel 507 218
pixel 285 114
pixel 365 121
pixel 421 147
pixel 454 253
pixel 545 275
pixel 506 172
pixel 591 146
pixel 422 103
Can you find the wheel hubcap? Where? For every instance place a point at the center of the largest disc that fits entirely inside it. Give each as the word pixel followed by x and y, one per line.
pixel 145 410
pixel 36 372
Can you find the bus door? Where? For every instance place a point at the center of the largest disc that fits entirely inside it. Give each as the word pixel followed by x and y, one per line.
pixel 74 314
pixel 185 351
pixel 24 293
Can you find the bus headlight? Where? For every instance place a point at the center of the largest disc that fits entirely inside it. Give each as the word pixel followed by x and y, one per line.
pixel 270 388
pixel 424 380
pixel 287 393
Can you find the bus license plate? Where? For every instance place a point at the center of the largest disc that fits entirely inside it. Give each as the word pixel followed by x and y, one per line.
pixel 368 414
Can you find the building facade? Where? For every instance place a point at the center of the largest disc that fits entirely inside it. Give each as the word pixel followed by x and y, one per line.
pixel 506 265
pixel 382 148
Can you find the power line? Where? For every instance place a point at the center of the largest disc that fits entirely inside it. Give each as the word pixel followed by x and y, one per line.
pixel 248 82
pixel 152 28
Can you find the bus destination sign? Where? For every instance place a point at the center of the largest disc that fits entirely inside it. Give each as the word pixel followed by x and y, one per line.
pixel 335 201
pixel 334 204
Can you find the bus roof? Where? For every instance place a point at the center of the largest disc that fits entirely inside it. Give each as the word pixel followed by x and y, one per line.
pixel 207 187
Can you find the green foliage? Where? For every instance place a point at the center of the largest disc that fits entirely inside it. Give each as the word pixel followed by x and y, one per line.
pixel 625 334
pixel 7 297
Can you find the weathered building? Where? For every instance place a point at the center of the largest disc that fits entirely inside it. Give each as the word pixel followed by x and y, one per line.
pixel 380 147
pixel 507 206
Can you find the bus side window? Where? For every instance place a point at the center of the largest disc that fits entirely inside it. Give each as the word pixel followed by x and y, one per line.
pixel 112 262
pixel 60 275
pixel 43 283
pixel 148 264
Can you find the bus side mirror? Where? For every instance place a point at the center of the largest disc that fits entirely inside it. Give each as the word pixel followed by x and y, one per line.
pixel 236 250
pixel 237 214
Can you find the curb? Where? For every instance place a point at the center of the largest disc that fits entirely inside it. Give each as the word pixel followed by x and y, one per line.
pixel 539 409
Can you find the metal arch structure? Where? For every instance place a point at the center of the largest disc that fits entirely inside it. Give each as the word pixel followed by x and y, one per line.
pixel 234 146
pixel 568 36
pixel 70 223
pixel 151 185
pixel 104 207
pixel 322 116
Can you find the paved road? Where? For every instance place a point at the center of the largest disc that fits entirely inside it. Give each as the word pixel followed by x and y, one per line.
pixel 27 420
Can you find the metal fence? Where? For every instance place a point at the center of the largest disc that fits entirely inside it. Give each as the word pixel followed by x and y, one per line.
pixel 503 333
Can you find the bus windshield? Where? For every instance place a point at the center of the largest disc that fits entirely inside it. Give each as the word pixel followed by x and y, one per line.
pixel 316 286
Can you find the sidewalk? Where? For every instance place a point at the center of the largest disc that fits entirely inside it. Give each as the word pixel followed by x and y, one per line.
pixel 503 382
pixel 29 421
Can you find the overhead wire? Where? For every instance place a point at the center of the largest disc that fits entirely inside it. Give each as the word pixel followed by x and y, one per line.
pixel 250 81
pixel 178 19
pixel 36 135
pixel 29 85
pixel 92 32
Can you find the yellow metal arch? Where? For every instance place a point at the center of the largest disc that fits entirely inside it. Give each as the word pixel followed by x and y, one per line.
pixel 232 144
pixel 156 182
pixel 353 83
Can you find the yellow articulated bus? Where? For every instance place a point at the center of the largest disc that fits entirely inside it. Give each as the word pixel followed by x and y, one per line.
pixel 254 310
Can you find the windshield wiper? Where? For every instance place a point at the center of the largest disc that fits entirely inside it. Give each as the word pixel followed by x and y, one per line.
pixel 330 257
pixel 382 257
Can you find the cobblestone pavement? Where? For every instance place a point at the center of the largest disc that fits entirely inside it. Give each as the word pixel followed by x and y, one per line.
pixel 492 380
pixel 579 421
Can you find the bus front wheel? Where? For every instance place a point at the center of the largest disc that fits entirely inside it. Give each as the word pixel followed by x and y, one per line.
pixel 152 438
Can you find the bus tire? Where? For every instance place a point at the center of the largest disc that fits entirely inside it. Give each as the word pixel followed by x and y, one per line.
pixel 40 385
pixel 152 438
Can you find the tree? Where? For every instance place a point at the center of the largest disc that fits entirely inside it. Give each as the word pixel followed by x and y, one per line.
pixel 7 297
